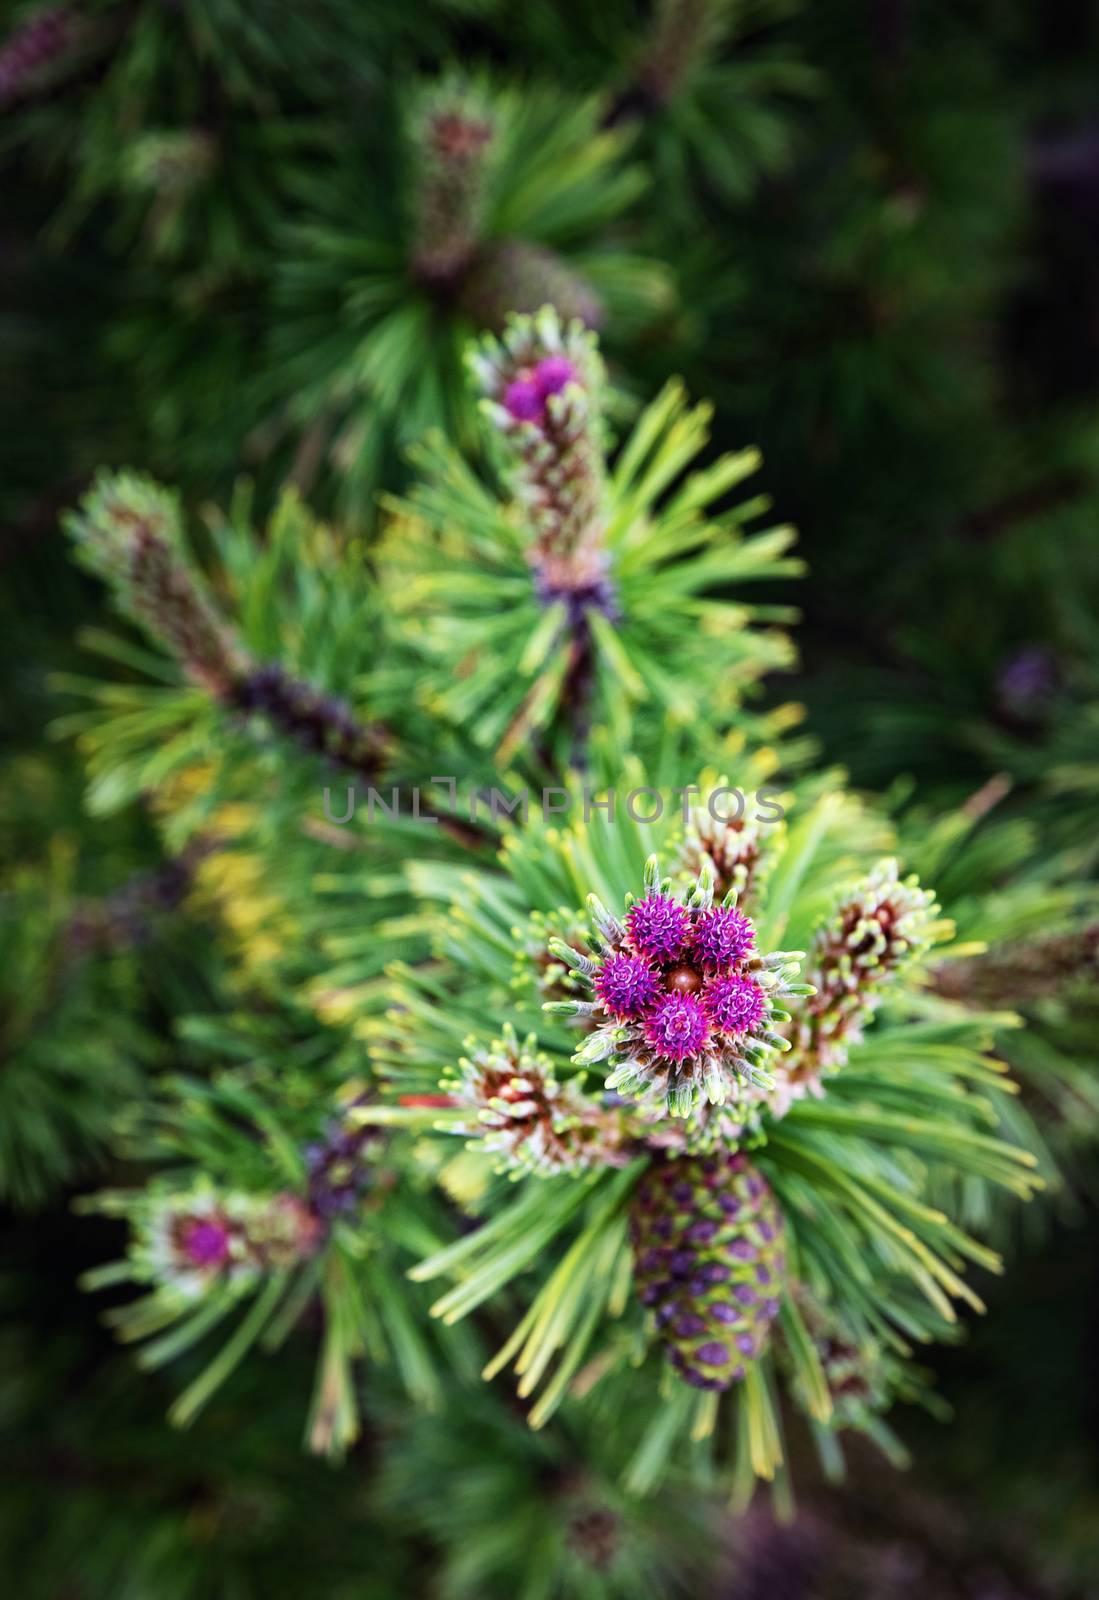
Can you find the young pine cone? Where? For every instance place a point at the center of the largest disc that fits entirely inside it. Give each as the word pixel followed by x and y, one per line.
pixel 707 1237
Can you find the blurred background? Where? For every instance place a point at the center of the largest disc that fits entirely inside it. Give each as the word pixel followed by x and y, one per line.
pixel 868 230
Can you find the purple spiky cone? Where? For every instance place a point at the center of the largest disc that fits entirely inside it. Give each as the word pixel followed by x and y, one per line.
pixel 707 1237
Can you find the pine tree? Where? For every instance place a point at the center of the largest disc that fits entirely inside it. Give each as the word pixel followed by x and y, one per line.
pixel 663 1031
pixel 483 1033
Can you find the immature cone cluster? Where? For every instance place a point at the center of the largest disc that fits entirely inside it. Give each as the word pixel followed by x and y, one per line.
pixel 878 929
pixel 193 1242
pixel 32 48
pixel 525 1116
pixel 685 1007
pixel 454 138
pixel 707 1238
pixel 317 722
pixel 514 276
pixel 543 385
pixel 738 851
pixel 128 530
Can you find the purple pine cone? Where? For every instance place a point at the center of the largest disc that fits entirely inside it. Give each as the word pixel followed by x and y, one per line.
pixel 707 1236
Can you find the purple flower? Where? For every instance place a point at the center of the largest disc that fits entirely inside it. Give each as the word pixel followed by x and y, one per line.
pixel 658 927
pixel 626 985
pixel 677 1027
pixel 734 1005
pixel 722 937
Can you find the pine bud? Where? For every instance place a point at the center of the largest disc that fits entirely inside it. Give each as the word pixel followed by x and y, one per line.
pixel 873 935
pixel 454 138
pixel 513 276
pixel 1027 682
pixel 856 1376
pixel 522 1114
pixel 128 530
pixel 738 852
pixel 707 1238
pixel 193 1241
pixel 543 388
